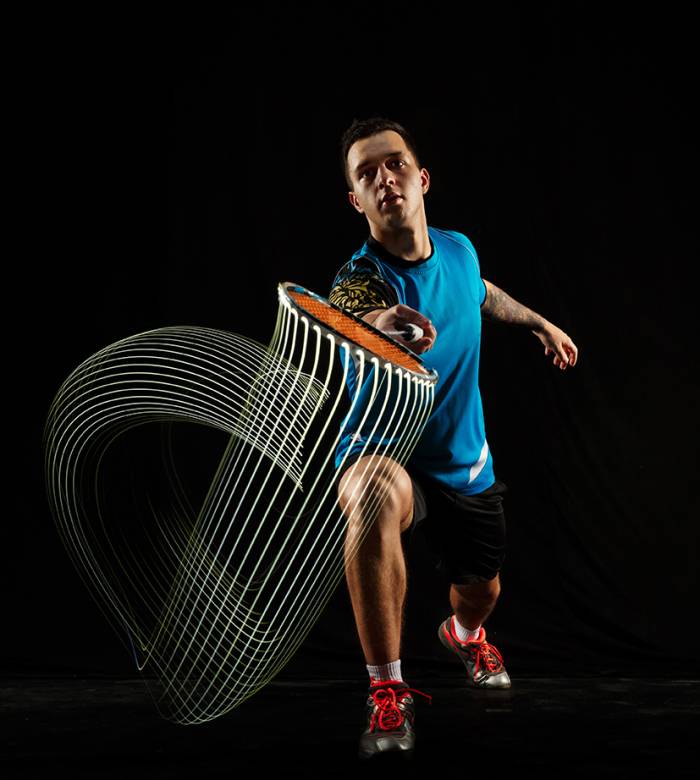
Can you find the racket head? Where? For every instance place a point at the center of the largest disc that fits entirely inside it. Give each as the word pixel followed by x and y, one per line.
pixel 342 326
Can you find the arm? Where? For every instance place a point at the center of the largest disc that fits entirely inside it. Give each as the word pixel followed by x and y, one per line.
pixel 500 307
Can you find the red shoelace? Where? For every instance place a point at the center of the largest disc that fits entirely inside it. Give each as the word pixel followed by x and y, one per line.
pixel 388 713
pixel 490 656
pixel 492 659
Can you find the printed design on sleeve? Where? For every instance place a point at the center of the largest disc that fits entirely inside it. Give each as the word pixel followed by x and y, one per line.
pixel 359 288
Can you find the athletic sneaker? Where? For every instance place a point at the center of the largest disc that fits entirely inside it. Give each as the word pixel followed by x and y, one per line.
pixel 484 663
pixel 390 717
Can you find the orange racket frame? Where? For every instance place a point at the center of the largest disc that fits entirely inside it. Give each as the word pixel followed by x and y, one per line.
pixel 344 325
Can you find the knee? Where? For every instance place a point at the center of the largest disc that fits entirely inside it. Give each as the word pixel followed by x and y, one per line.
pixel 376 488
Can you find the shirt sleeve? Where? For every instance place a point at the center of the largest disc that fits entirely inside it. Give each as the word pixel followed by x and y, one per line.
pixel 359 288
pixel 467 244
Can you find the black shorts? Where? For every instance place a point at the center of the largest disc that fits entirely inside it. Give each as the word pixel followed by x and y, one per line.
pixel 466 534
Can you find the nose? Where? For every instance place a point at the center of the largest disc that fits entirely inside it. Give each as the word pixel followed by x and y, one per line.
pixel 387 176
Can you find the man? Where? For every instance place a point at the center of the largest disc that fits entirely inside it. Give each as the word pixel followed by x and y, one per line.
pixel 408 272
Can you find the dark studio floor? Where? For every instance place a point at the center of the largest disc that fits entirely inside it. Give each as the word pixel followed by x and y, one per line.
pixel 622 727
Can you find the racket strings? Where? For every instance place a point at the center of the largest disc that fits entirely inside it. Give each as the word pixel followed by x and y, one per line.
pixel 217 600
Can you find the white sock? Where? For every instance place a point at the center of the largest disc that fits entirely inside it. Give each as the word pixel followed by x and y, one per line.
pixel 465 634
pixel 391 671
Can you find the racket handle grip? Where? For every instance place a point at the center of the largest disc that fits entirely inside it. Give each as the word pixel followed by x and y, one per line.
pixel 409 332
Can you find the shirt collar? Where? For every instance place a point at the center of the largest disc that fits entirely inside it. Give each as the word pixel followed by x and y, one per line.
pixel 385 255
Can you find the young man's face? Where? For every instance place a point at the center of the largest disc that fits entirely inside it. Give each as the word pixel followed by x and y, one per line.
pixel 388 186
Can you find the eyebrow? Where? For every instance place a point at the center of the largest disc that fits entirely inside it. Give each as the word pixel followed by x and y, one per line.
pixel 367 162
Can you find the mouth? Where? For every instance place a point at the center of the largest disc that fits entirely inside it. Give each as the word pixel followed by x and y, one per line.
pixel 389 199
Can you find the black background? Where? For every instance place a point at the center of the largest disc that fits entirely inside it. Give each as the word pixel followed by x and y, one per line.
pixel 174 172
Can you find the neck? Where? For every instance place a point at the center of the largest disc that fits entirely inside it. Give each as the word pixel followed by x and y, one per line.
pixel 407 242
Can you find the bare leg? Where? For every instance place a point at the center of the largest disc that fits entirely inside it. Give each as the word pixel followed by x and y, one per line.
pixel 472 604
pixel 376 570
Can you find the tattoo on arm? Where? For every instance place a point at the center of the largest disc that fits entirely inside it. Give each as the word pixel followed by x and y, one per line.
pixel 500 307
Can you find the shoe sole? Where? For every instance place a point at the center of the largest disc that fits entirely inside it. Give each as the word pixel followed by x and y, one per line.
pixel 387 756
pixel 403 747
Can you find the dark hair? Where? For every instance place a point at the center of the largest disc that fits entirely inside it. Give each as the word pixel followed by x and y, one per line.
pixel 363 128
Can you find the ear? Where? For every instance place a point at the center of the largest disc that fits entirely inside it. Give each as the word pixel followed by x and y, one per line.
pixel 354 202
pixel 425 179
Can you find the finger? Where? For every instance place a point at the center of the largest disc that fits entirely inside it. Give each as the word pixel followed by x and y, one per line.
pixel 404 312
pixel 418 345
pixel 415 316
pixel 571 351
pixel 424 345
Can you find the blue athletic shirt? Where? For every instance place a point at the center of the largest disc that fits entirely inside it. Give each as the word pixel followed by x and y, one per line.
pixel 447 288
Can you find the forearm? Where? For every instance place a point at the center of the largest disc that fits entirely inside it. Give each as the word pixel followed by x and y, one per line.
pixel 500 307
